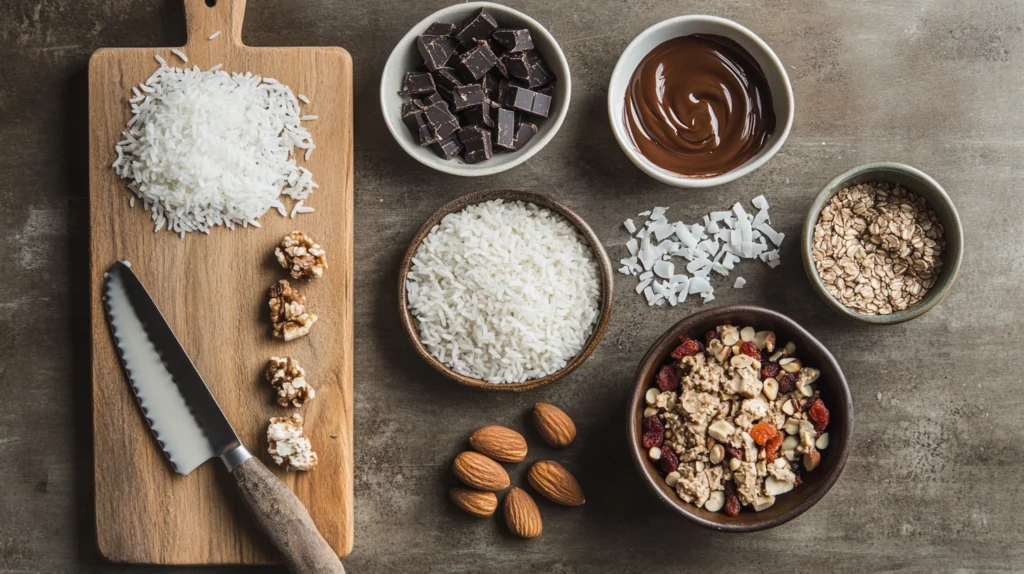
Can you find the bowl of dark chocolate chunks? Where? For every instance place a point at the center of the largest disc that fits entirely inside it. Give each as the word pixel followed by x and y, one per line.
pixel 475 89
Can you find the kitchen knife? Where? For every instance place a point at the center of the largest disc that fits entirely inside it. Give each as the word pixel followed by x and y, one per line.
pixel 190 427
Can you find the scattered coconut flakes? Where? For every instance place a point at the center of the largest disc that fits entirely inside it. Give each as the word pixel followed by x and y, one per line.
pixel 715 245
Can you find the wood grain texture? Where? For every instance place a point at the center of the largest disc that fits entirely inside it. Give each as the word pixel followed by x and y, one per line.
pixel 213 291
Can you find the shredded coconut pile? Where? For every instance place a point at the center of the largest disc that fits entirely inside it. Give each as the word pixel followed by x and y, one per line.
pixel 725 238
pixel 504 291
pixel 205 148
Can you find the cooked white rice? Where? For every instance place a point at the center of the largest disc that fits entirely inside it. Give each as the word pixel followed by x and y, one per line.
pixel 504 291
pixel 207 148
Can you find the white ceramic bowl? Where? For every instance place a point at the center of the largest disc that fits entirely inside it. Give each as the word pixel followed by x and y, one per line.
pixel 406 58
pixel 774 71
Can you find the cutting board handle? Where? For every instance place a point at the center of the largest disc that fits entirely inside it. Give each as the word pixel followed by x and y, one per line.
pixel 224 16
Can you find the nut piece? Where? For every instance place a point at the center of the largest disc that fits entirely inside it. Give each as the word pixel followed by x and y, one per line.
pixel 555 483
pixel 479 472
pixel 721 430
pixel 730 335
pixel 775 487
pixel 522 515
pixel 672 478
pixel 554 426
pixel 289 380
pixel 747 334
pixel 716 500
pixel 822 442
pixel 651 397
pixel 811 460
pixel 790 365
pixel 770 388
pixel 474 502
pixel 288 312
pixel 288 447
pixel 763 503
pixel 717 454
pixel 765 340
pixel 654 453
pixel 499 443
pixel 301 256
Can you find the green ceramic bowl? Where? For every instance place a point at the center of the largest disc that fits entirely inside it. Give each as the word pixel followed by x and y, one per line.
pixel 913 180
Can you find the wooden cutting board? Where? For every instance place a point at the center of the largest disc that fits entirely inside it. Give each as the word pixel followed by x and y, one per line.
pixel 213 291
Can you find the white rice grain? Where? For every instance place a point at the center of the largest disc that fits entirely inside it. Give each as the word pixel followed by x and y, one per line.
pixel 214 35
pixel 180 54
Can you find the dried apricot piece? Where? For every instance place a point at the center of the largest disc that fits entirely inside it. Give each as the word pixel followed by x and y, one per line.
pixel 819 415
pixel 763 432
pixel 668 461
pixel 668 380
pixel 771 448
pixel 750 349
pixel 687 348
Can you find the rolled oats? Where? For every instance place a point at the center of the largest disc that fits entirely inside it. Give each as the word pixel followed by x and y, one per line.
pixel 878 248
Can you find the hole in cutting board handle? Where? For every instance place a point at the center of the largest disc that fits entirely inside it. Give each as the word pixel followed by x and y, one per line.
pixel 211 3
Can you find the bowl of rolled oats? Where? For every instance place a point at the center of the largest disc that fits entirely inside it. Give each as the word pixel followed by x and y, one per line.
pixel 882 243
pixel 740 420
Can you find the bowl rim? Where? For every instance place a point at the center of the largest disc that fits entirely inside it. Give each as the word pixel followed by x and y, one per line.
pixel 549 128
pixel 954 242
pixel 605 272
pixel 634 416
pixel 752 164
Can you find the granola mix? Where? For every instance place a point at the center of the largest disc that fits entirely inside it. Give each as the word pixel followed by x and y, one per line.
pixel 733 422
pixel 878 248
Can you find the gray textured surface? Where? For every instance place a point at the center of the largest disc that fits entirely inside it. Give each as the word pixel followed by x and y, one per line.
pixel 933 481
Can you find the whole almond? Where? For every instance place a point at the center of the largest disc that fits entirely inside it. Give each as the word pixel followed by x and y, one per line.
pixel 479 472
pixel 475 502
pixel 554 426
pixel 522 515
pixel 499 443
pixel 555 483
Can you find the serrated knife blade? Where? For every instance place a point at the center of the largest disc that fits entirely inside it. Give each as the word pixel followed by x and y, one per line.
pixel 183 415
pixel 191 428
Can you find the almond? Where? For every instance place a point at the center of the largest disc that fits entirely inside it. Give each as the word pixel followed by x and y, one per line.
pixel 480 472
pixel 474 502
pixel 522 515
pixel 555 483
pixel 500 443
pixel 554 426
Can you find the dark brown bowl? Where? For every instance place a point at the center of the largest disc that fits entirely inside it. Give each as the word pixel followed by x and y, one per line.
pixel 831 383
pixel 604 265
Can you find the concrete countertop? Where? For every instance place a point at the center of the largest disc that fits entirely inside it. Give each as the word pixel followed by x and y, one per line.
pixel 932 483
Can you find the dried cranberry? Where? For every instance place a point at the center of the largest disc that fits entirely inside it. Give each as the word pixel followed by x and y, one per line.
pixel 798 480
pixel 689 347
pixel 819 414
pixel 787 383
pixel 770 369
pixel 732 500
pixel 750 349
pixel 654 432
pixel 734 452
pixel 668 380
pixel 765 356
pixel 668 461
pixel 711 335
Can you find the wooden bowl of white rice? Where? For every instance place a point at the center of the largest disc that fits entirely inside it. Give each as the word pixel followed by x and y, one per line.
pixel 505 290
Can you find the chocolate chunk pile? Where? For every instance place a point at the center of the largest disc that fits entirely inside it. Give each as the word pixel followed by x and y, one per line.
pixel 482 89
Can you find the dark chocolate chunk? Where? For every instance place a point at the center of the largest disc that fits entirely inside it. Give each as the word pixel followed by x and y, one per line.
pixel 547 89
pixel 417 83
pixel 538 73
pixel 436 50
pixel 448 148
pixel 477 61
pixel 477 143
pixel 506 92
pixel 412 116
pixel 469 96
pixel 490 84
pixel 541 105
pixel 432 99
pixel 506 129
pixel 443 124
pixel 441 29
pixel 479 27
pixel 480 115
pixel 447 78
pixel 524 134
pixel 514 40
pixel 516 64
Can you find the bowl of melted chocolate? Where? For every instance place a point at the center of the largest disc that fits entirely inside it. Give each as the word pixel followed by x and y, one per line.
pixel 698 101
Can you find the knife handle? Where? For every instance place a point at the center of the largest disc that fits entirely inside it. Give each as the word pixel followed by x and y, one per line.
pixel 281 515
